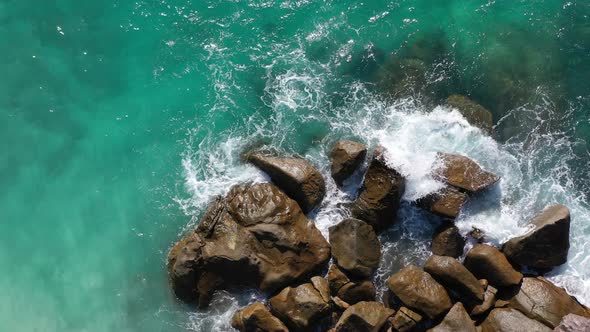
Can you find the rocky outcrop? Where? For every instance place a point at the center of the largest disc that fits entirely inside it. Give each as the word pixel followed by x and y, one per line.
pixel 256 318
pixel 546 245
pixel 573 323
pixel 447 241
pixel 464 173
pixel 419 291
pixel 541 300
pixel 255 236
pixel 457 320
pixel 487 262
pixel 295 176
pixel 355 247
pixel 363 316
pixel 404 320
pixel 348 291
pixel 453 275
pixel 489 299
pixel 446 203
pixel 346 156
pixel 473 112
pixel 300 308
pixel 510 320
pixel 380 195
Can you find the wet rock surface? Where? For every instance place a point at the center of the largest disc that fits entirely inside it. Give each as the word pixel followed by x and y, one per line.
pixel 573 323
pixel 447 241
pixel 453 275
pixel 363 316
pixel 405 320
pixel 464 173
pixel 256 317
pixel 473 112
pixel 487 262
pixel 300 307
pixel 456 320
pixel 346 156
pixel 447 203
pixel 355 247
pixel 511 320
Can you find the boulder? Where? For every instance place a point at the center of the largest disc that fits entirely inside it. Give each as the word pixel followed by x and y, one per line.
pixel 349 291
pixel 546 245
pixel 322 286
pixel 380 195
pixel 487 262
pixel 541 300
pixel 336 279
pixel 364 316
pixel 489 299
pixel 256 236
pixel 464 173
pixel 346 156
pixel 573 323
pixel 405 320
pixel 453 275
pixel 511 320
pixel 419 291
pixel 355 247
pixel 295 176
pixel 300 308
pixel 447 241
pixel 457 320
pixel 256 318
pixel 446 203
pixel 473 112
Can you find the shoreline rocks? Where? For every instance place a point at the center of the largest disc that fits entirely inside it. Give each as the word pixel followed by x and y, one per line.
pixel 452 274
pixel 463 173
pixel 447 241
pixel 487 262
pixel 346 156
pixel 355 247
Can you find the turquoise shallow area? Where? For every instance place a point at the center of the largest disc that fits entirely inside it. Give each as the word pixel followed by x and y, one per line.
pixel 106 108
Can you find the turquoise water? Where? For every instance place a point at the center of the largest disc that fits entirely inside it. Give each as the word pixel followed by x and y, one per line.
pixel 120 120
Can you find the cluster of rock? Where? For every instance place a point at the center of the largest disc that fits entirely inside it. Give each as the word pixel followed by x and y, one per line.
pixel 259 236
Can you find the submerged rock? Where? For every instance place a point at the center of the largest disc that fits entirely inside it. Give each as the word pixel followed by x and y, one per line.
pixel 447 241
pixel 295 176
pixel 355 247
pixel 464 173
pixel 573 323
pixel 346 156
pixel 545 246
pixel 419 291
pixel 255 318
pixel 255 236
pixel 457 320
pixel 473 112
pixel 301 307
pixel 364 316
pixel 447 203
pixel 510 320
pixel 453 275
pixel 541 300
pixel 487 262
pixel 404 320
pixel 380 194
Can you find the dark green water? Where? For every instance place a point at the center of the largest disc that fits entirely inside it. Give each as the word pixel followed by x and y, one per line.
pixel 120 120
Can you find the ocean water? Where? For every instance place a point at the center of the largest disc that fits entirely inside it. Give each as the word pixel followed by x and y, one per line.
pixel 120 121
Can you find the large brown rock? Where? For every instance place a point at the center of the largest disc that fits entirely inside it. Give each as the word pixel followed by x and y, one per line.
pixel 453 275
pixel 364 316
pixel 419 291
pixel 510 320
pixel 380 195
pixel 404 320
pixel 301 307
pixel 446 203
pixel 295 176
pixel 546 245
pixel 347 290
pixel 355 247
pixel 541 300
pixel 257 318
pixel 346 156
pixel 255 236
pixel 447 241
pixel 464 173
pixel 573 323
pixel 473 112
pixel 487 262
pixel 457 320
pixel 489 299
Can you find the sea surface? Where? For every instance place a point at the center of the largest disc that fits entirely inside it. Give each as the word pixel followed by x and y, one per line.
pixel 121 120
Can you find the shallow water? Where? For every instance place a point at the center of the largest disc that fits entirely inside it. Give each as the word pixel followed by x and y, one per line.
pixel 121 120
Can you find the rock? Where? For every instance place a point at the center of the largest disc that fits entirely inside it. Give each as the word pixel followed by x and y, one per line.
pixel 336 279
pixel 355 292
pixel 295 176
pixel 541 300
pixel 364 316
pixel 510 320
pixel 573 323
pixel 346 156
pixel 340 303
pixel 321 285
pixel 464 173
pixel 355 247
pixel 256 318
pixel 453 275
pixel 457 320
pixel 473 112
pixel 300 308
pixel 419 291
pixel 380 195
pixel 447 203
pixel 255 236
pixel 448 242
pixel 545 246
pixel 486 262
pixel 489 299
pixel 405 320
